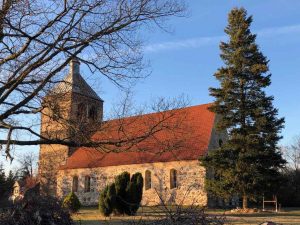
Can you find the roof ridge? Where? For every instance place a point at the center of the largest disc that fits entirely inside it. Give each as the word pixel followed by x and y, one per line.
pixel 165 111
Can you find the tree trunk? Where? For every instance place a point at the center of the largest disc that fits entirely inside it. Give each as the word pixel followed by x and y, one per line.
pixel 245 202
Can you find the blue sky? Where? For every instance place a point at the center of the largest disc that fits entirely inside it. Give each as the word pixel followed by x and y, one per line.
pixel 183 61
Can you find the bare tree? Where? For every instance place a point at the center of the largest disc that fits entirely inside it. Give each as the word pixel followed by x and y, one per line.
pixel 28 164
pixel 292 154
pixel 38 38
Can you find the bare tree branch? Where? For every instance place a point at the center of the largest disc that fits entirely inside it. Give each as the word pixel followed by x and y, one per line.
pixel 39 38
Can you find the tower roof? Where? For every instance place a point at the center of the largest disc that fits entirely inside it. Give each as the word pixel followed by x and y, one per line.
pixel 75 83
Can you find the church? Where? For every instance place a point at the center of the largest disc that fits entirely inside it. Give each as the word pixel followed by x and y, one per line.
pixel 167 158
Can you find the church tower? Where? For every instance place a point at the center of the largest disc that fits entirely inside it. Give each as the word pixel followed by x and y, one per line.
pixel 72 112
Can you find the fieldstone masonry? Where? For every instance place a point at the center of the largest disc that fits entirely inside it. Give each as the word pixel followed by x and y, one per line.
pixel 190 179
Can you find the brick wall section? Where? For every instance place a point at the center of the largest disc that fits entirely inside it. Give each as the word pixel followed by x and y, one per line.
pixel 190 180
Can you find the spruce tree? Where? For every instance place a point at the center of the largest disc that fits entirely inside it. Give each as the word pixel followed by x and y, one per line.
pixel 248 163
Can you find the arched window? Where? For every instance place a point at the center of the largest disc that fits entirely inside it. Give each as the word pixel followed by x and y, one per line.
pixel 173 178
pixel 87 184
pixel 148 184
pixel 81 111
pixel 75 184
pixel 93 113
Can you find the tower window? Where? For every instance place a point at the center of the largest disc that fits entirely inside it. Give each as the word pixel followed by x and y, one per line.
pixel 75 184
pixel 87 184
pixel 173 179
pixel 92 113
pixel 148 184
pixel 81 111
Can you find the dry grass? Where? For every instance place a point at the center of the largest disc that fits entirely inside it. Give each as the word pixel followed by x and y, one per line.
pixel 91 216
pixel 286 217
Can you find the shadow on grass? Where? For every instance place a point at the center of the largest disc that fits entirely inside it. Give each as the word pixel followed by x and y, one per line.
pixel 92 216
pixel 266 214
pixel 97 222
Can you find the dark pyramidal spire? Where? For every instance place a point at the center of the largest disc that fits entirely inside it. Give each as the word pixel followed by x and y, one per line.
pixel 75 83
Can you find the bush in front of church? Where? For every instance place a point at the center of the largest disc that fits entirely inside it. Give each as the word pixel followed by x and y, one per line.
pixel 122 197
pixel 121 184
pixel 71 202
pixel 107 200
pixel 134 193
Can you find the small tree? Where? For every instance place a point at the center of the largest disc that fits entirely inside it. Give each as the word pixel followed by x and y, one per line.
pixel 2 182
pixel 6 186
pixel 107 200
pixel 10 181
pixel 121 184
pixel 134 193
pixel 72 202
pixel 124 196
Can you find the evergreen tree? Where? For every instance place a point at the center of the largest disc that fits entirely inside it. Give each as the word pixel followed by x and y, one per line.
pixel 248 163
pixel 71 202
pixel 134 193
pixel 10 181
pixel 107 200
pixel 2 182
pixel 121 184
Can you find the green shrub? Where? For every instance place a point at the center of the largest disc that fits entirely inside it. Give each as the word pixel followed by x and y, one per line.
pixel 134 193
pixel 121 184
pixel 124 196
pixel 71 202
pixel 107 200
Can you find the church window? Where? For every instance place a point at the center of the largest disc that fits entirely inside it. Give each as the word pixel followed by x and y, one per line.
pixel 173 179
pixel 93 113
pixel 81 111
pixel 87 184
pixel 75 184
pixel 148 180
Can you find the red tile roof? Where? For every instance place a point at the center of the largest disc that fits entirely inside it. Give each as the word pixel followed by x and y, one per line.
pixel 182 134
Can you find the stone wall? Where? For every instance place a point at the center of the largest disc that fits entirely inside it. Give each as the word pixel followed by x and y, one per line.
pixel 190 178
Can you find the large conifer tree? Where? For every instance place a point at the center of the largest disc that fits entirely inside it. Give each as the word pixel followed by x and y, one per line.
pixel 248 163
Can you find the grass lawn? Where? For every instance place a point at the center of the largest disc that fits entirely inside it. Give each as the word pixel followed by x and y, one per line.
pixel 289 216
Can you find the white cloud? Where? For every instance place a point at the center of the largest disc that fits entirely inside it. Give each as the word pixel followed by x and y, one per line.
pixel 275 31
pixel 204 41
pixel 186 43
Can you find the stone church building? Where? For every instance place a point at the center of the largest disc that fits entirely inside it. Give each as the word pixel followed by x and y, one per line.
pixel 167 158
